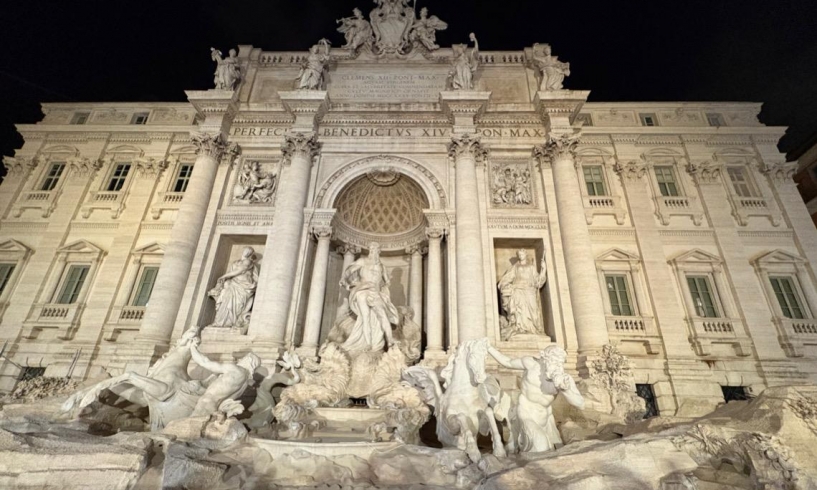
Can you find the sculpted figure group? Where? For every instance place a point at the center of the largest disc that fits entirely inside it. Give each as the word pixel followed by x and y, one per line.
pixel 393 28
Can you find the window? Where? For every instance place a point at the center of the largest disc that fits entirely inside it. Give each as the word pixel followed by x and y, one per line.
pixel 53 176
pixel 139 118
pixel 183 177
pixel 594 180
pixel 665 177
pixel 5 275
pixel 30 372
pixel 118 177
pixel 787 296
pixel 715 119
pixel 80 117
pixel 618 290
pixel 735 393
pixel 72 285
pixel 145 287
pixel 702 297
pixel 585 119
pixel 647 392
pixel 740 182
pixel 648 119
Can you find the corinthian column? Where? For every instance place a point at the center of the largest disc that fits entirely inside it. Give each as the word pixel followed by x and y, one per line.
pixel 317 291
pixel 585 295
pixel 434 313
pixel 284 239
pixel 466 151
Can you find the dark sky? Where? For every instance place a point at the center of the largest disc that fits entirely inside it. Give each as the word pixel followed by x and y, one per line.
pixel 625 50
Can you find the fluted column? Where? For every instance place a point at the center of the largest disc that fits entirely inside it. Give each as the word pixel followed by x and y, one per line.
pixel 467 151
pixel 160 315
pixel 284 238
pixel 317 289
pixel 434 311
pixel 585 295
pixel 416 282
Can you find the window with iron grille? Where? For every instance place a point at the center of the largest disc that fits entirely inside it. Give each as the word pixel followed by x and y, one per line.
pixel 183 177
pixel 72 285
pixel 715 119
pixel 53 176
pixel 618 291
pixel 5 275
pixel 740 182
pixel 146 282
pixel 665 176
pixel 702 296
pixel 118 177
pixel 139 118
pixel 80 117
pixel 594 180
pixel 29 372
pixel 735 393
pixel 648 119
pixel 787 297
pixel 647 392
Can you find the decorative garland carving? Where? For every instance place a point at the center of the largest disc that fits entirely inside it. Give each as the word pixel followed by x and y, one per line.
pixel 780 172
pixel 705 172
pixel 631 171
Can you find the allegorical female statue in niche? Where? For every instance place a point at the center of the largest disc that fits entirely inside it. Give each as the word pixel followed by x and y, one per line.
pixel 519 289
pixel 234 293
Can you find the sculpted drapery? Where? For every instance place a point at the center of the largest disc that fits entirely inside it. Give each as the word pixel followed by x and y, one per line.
pixel 519 288
pixel 235 291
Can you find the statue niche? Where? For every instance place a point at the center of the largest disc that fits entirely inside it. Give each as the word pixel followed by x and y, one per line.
pixel 234 293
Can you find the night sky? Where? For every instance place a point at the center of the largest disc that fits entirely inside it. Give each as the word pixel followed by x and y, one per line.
pixel 625 50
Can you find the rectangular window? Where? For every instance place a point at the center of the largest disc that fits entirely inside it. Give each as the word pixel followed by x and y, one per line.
pixel 139 118
pixel 118 177
pixel 666 181
pixel 647 392
pixel 735 393
pixel 715 119
pixel 648 119
pixel 788 298
pixel 145 287
pixel 740 182
pixel 80 117
pixel 183 177
pixel 5 275
pixel 30 372
pixel 53 176
pixel 702 297
pixel 619 294
pixel 73 284
pixel 594 179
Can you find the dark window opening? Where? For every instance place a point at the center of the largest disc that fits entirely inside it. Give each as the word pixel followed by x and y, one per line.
pixel 735 393
pixel 646 392
pixel 31 373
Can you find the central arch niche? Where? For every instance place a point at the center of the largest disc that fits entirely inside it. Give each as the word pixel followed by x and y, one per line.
pixel 384 206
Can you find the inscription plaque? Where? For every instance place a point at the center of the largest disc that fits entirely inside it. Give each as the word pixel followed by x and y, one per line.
pixel 380 86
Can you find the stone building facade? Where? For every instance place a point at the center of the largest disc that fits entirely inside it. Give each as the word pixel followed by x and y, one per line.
pixel 672 229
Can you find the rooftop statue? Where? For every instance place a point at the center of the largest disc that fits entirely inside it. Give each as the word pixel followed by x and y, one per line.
pixel 464 65
pixel 357 30
pixel 424 30
pixel 551 70
pixel 228 73
pixel 311 75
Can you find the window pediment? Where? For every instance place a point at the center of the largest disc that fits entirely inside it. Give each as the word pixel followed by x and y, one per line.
pixel 777 257
pixel 617 255
pixel 696 256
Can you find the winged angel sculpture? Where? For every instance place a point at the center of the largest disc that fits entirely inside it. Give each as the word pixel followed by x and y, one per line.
pixel 467 402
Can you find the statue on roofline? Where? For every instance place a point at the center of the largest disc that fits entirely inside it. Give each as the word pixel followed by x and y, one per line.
pixel 228 73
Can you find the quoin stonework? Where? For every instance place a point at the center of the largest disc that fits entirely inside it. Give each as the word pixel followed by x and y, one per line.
pixel 348 195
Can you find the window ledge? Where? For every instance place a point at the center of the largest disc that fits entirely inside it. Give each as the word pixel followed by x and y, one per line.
pixel 795 334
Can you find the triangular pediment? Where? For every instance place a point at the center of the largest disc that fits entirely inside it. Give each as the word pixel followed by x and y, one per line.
pixel 697 256
pixel 617 254
pixel 778 257
pixel 13 246
pixel 81 246
pixel 152 248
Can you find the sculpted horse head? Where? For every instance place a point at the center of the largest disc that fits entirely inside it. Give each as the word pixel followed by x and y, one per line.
pixel 468 359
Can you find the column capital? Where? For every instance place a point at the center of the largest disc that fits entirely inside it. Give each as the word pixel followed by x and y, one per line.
pixel 348 249
pixel 322 232
pixel 781 173
pixel 320 224
pixel 300 144
pixel 436 233
pixel 467 143
pixel 416 249
pixel 557 147
pixel 212 145
pixel 705 172
pixel 631 171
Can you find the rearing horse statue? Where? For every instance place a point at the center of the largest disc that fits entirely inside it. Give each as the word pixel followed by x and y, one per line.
pixel 468 403
pixel 167 390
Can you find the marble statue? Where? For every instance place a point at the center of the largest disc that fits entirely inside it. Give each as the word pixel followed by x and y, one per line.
pixel 311 76
pixel 464 65
pixel 519 289
pixel 166 390
pixel 512 186
pixel 357 31
pixel 228 73
pixel 264 403
pixel 424 30
pixel 552 71
pixel 533 428
pixel 391 21
pixel 235 291
pixel 467 403
pixel 229 384
pixel 254 186
pixel 369 299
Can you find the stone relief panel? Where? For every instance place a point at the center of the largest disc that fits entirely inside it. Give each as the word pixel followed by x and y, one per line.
pixel 256 182
pixel 512 184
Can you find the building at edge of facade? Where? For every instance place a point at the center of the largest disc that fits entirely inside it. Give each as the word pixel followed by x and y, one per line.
pixel 672 229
